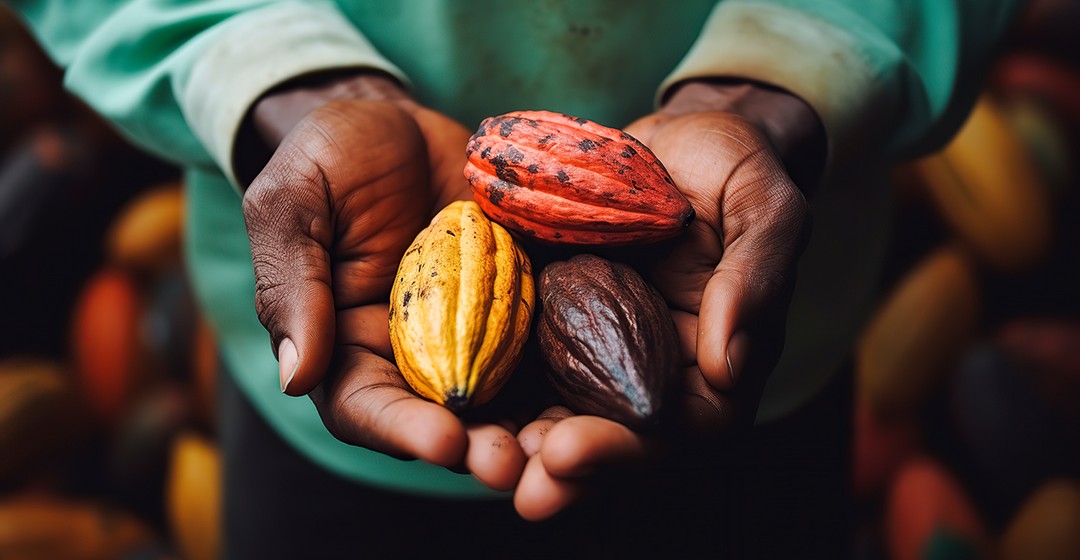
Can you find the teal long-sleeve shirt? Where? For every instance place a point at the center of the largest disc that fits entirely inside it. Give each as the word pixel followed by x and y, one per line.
pixel 888 78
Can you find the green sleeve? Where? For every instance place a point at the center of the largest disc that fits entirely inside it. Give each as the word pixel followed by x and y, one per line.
pixel 888 78
pixel 177 77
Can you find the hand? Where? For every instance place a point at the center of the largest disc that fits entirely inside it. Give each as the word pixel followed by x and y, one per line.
pixel 357 172
pixel 728 280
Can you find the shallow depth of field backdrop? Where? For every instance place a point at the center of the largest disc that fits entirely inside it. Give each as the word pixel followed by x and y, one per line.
pixel 967 384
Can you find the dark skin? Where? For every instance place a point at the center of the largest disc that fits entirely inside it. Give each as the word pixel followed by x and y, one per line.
pixel 343 196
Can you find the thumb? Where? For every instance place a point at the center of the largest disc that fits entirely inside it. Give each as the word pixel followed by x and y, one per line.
pixel 744 304
pixel 287 214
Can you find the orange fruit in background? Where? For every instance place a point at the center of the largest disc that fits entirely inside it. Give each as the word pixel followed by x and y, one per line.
pixel 925 504
pixel 105 345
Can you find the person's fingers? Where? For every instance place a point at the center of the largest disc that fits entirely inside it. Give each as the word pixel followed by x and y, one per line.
pixel 287 217
pixel 494 456
pixel 744 200
pixel 745 301
pixel 579 445
pixel 327 229
pixel 367 403
pixel 531 437
pixel 539 495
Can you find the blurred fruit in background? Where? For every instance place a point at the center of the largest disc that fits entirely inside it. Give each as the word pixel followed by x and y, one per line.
pixel 930 516
pixel 1047 527
pixel 47 529
pixel 194 497
pixel 40 415
pixel 1001 211
pixel 918 333
pixel 105 346
pixel 146 235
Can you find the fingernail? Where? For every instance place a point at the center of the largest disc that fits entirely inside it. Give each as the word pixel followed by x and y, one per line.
pixel 288 362
pixel 737 349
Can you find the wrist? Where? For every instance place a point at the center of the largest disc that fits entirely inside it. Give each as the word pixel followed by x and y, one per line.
pixel 789 123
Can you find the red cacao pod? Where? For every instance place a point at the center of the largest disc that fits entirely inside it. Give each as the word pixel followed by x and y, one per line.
pixel 608 339
pixel 562 179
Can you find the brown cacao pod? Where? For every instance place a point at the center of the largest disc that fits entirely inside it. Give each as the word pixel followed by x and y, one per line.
pixel 607 337
pixel 460 308
pixel 562 179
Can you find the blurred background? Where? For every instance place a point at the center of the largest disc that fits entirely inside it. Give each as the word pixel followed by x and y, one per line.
pixel 966 438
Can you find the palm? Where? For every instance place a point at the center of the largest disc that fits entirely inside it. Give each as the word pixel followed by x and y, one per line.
pixel 329 218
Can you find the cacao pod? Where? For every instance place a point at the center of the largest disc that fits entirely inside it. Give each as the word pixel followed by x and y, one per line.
pixel 193 497
pixel 608 338
pixel 927 504
pixel 568 180
pixel 919 333
pixel 460 308
pixel 1045 526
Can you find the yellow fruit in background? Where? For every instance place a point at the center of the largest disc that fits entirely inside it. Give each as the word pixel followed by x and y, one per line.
pixel 148 232
pixel 460 308
pixel 921 330
pixel 989 190
pixel 1047 526
pixel 193 497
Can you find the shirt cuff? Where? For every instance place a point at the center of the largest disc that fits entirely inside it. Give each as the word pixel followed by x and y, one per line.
pixel 252 52
pixel 799 52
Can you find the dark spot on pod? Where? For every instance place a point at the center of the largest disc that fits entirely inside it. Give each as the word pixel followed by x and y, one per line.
pixel 434 273
pixel 633 191
pixel 627 137
pixel 497 190
pixel 391 314
pixel 529 232
pixel 423 293
pixel 562 176
pixel 586 145
pixel 514 155
pixel 545 139
pixel 532 123
pixel 503 170
pixel 628 152
pixel 486 153
pixel 405 315
pixel 405 300
pixel 556 236
pixel 506 127
pixel 533 168
pixel 580 120
pixel 668 180
pixel 448 232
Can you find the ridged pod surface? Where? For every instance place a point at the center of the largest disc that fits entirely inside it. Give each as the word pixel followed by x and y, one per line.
pixel 567 180
pixel 607 337
pixel 460 308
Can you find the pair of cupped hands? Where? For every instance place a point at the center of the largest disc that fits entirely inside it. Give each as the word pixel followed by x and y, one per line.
pixel 357 168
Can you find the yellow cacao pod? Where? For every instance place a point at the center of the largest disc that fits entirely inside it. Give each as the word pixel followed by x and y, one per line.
pixel 460 308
